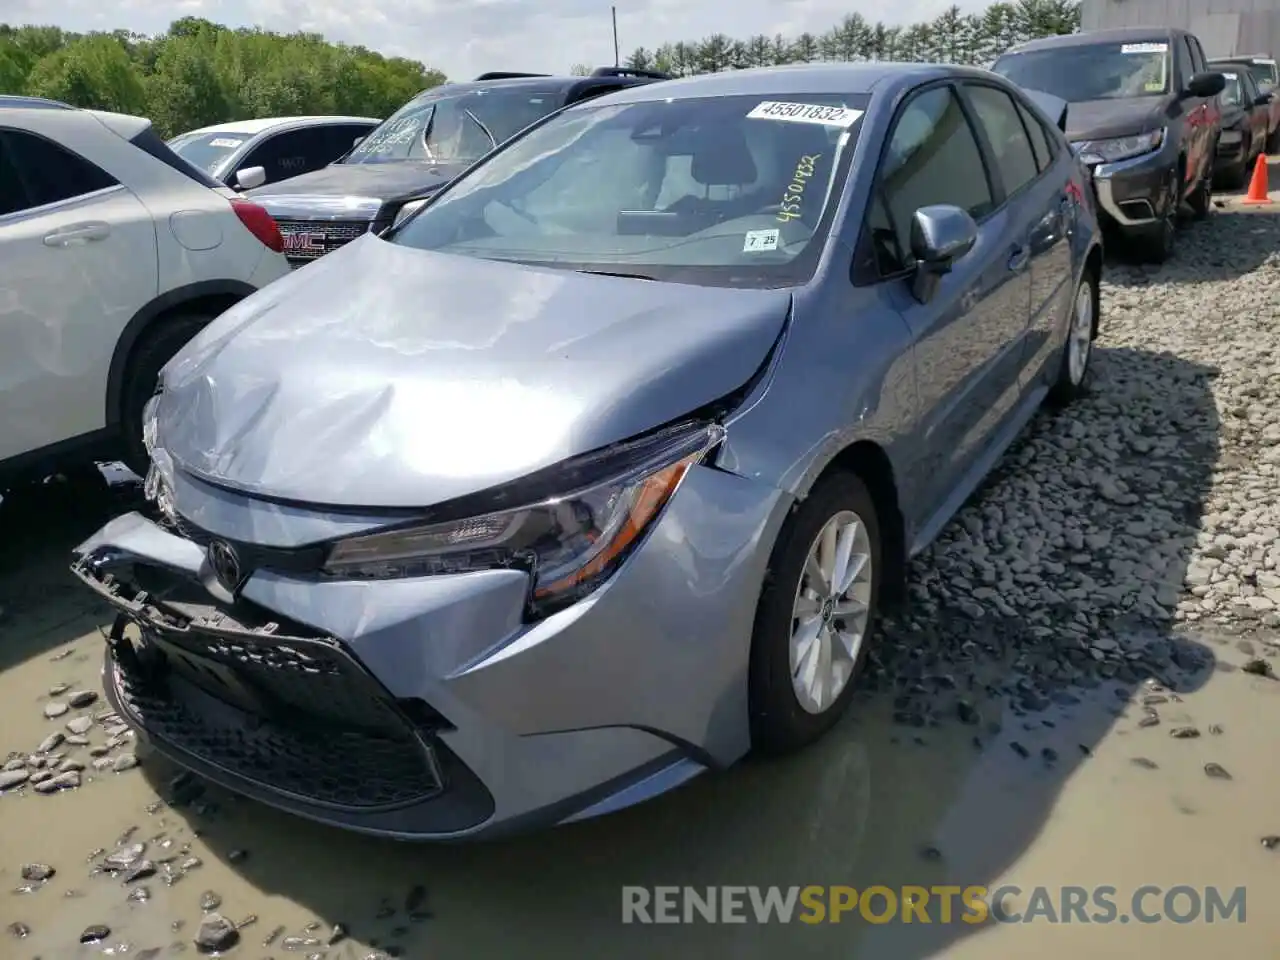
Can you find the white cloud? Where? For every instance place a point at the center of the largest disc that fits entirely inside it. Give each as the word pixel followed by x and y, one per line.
pixel 466 37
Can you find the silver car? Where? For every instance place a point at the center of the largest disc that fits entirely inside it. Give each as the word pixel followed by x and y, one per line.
pixel 592 475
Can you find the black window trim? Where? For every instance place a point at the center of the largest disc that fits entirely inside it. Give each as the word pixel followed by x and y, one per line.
pixel 43 208
pixel 996 189
pixel 988 152
pixel 149 142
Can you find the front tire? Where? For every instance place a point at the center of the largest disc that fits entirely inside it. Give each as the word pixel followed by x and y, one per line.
pixel 1073 370
pixel 1201 200
pixel 815 616
pixel 153 351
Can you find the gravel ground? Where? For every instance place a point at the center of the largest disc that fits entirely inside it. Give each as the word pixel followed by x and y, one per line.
pixel 1127 554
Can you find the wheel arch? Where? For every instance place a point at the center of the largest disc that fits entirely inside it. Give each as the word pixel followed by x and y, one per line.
pixel 1093 266
pixel 871 463
pixel 213 296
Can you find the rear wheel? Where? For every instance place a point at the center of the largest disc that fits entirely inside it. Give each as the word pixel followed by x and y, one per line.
pixel 153 351
pixel 815 616
pixel 1077 352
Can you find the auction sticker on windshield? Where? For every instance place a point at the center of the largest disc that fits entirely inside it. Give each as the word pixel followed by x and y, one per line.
pixel 1143 47
pixel 804 113
pixel 225 142
pixel 757 241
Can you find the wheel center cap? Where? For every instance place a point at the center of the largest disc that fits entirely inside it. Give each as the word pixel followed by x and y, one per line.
pixel 828 609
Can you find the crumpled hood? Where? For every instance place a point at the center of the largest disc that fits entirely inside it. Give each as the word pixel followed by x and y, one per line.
pixel 1103 119
pixel 366 186
pixel 383 376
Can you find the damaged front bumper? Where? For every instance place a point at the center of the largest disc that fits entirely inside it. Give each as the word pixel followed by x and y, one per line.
pixel 426 708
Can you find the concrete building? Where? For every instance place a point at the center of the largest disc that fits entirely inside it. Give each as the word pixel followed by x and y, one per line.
pixel 1225 27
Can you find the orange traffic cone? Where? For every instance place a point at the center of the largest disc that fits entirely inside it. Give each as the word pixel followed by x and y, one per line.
pixel 1258 183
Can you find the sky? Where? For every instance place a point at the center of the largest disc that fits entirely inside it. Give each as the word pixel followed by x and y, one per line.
pixel 463 38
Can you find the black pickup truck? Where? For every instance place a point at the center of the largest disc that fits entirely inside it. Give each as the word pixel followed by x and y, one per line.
pixel 441 132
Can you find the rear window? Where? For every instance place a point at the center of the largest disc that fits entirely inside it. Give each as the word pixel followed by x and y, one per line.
pixel 149 143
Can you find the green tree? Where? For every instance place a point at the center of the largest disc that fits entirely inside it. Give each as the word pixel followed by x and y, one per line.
pixel 93 71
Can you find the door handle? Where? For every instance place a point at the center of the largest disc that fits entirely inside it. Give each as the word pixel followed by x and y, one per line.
pixel 1018 258
pixel 78 233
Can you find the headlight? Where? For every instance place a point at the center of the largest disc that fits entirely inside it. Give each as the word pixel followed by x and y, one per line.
pixel 569 541
pixel 1119 148
pixel 149 423
pixel 1230 136
pixel 408 210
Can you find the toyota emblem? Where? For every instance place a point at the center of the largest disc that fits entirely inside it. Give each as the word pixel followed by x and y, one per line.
pixel 225 564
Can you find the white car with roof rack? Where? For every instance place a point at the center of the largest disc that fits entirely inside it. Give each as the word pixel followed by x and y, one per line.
pixel 116 252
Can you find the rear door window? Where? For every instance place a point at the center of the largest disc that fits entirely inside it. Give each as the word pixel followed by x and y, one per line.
pixel 52 173
pixel 13 194
pixel 1041 142
pixel 1010 146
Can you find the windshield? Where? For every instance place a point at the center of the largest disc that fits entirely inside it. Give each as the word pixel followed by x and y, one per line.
pixel 1264 74
pixel 724 191
pixel 460 128
pixel 1105 71
pixel 1232 94
pixel 208 151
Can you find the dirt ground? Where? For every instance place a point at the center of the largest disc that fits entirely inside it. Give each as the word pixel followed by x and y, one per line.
pixel 1082 789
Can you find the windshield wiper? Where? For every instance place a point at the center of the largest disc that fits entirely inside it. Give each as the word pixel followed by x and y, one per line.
pixel 614 273
pixel 483 128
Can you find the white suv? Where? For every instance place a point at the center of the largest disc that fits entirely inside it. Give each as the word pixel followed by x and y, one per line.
pixel 114 252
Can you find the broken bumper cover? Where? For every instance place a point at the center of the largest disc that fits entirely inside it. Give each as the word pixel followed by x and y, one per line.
pixel 424 708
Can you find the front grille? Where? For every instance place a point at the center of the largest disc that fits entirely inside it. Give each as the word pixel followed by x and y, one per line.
pixel 308 240
pixel 294 713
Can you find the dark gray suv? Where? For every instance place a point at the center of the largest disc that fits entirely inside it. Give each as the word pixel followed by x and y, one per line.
pixel 1143 115
pixel 417 150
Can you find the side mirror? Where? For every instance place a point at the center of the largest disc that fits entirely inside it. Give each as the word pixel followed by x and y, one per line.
pixel 940 235
pixel 1262 100
pixel 356 142
pixel 1205 85
pixel 249 177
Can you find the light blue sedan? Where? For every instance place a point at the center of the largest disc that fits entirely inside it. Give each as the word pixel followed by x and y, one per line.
pixel 593 474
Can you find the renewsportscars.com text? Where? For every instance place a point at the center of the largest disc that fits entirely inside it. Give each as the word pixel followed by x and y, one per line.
pixel 934 904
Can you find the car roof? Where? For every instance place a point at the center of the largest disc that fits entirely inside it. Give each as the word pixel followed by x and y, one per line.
pixel 15 102
pixel 573 87
pixel 1091 37
pixel 1242 58
pixel 263 124
pixel 798 79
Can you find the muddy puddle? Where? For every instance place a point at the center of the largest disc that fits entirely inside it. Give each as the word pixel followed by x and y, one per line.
pixel 1078 791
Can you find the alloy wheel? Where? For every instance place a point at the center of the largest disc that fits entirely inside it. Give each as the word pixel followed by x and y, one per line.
pixel 831 611
pixel 1080 341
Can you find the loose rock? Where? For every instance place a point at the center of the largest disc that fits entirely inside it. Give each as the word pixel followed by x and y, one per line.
pixel 82 698
pixel 63 781
pixel 95 934
pixel 50 743
pixel 37 872
pixel 80 725
pixel 216 933
pixel 1216 771
pixel 55 709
